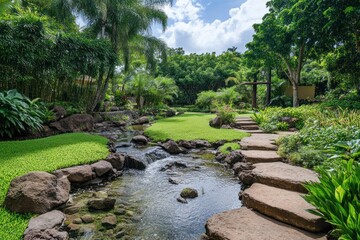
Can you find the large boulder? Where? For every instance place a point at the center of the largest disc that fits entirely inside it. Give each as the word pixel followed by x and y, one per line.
pixel 78 174
pixel 74 123
pixel 48 234
pixel 117 160
pixel 140 139
pixel 143 120
pixel 37 192
pixel 133 163
pixel 187 144
pixel 105 204
pixel 234 157
pixel 49 220
pixel 101 168
pixel 216 122
pixel 172 147
pixel 59 112
pixel 202 144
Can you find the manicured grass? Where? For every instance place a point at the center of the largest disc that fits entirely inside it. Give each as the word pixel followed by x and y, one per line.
pixel 191 126
pixel 47 154
pixel 229 147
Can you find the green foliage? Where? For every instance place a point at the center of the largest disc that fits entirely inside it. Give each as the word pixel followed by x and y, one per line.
pixel 196 73
pixel 191 126
pixel 225 96
pixel 336 198
pixel 271 119
pixel 324 130
pixel 229 147
pixel 18 114
pixel 226 113
pixel 205 100
pixel 48 154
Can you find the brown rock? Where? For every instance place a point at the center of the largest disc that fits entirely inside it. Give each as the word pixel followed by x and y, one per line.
pixel 279 175
pixel 202 144
pixel 105 204
pixel 172 147
pixel 140 139
pixel 59 112
pixel 87 218
pixel 101 168
pixel 109 221
pixel 244 224
pixel 143 120
pixel 49 220
pixel 215 122
pixel 234 157
pixel 74 123
pixel 37 192
pixel 133 163
pixel 283 205
pixel 117 160
pixel 78 174
pixel 48 234
pixel 186 144
pixel 241 166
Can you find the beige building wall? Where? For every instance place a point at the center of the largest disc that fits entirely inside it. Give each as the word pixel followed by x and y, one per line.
pixel 305 92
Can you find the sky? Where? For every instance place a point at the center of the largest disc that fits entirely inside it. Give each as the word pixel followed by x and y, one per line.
pixel 201 26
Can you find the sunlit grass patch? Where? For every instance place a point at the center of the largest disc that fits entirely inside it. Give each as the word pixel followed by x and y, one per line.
pixel 47 154
pixel 191 126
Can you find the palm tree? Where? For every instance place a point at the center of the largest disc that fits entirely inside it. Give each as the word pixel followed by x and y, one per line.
pixel 123 21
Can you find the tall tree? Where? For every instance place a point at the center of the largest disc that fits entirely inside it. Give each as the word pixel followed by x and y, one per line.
pixel 291 31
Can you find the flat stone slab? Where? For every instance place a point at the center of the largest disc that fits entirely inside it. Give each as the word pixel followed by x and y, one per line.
pixel 255 131
pixel 245 122
pixel 283 205
pixel 243 118
pixel 280 175
pixel 250 127
pixel 260 156
pixel 260 142
pixel 244 224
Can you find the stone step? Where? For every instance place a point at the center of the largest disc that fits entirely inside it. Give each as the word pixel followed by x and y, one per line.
pixel 255 131
pixel 244 224
pixel 245 123
pixel 259 142
pixel 283 205
pixel 243 119
pixel 250 127
pixel 259 156
pixel 280 175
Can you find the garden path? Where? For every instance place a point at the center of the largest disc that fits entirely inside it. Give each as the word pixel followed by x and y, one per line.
pixel 274 207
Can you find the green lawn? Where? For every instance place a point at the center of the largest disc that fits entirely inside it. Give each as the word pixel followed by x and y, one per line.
pixel 47 154
pixel 191 126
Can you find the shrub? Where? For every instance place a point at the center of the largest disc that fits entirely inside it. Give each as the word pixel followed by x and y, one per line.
pixel 336 198
pixel 18 114
pixel 226 113
pixel 205 99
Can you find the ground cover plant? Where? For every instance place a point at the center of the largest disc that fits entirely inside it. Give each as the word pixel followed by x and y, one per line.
pixel 312 145
pixel 336 198
pixel 191 126
pixel 47 154
pixel 229 147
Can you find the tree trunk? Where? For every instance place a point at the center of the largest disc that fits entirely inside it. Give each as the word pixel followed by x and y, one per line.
pixel 295 88
pixel 254 95
pixel 268 89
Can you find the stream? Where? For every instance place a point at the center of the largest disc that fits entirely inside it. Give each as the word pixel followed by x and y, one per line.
pixel 147 206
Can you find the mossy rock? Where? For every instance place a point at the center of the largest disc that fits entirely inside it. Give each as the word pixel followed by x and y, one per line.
pixel 189 193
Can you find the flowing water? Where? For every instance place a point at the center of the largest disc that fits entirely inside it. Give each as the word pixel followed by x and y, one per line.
pixel 150 200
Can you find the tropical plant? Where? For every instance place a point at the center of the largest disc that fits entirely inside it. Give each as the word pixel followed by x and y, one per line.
pixel 336 198
pixel 226 114
pixel 18 114
pixel 206 99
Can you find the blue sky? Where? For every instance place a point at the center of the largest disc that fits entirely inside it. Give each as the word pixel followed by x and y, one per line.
pixel 211 26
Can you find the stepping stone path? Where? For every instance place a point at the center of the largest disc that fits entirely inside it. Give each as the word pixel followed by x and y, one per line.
pixel 247 124
pixel 274 207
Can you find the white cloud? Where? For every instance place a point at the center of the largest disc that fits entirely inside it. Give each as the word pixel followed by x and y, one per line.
pixel 192 33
